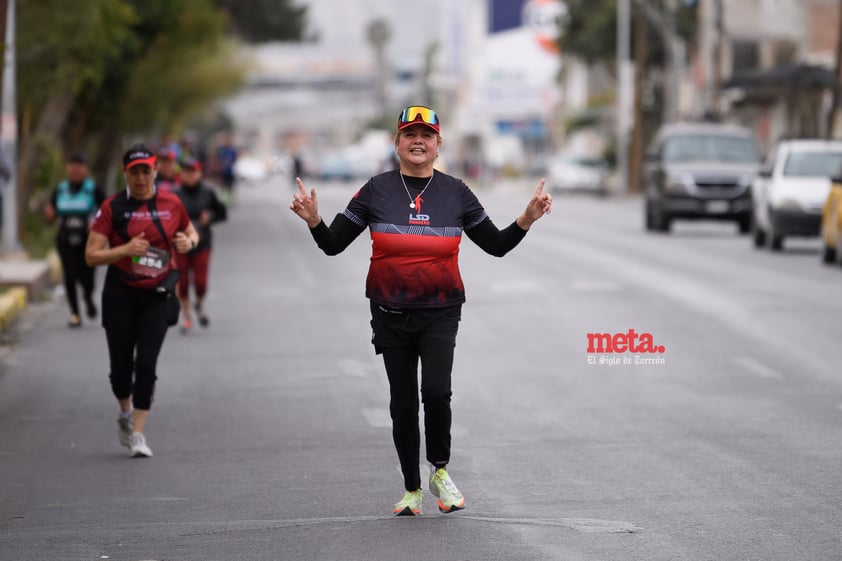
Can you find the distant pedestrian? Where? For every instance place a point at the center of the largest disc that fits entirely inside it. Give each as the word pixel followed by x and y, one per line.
pixel 204 209
pixel 416 217
pixel 5 176
pixel 226 159
pixel 136 233
pixel 167 177
pixel 297 168
pixel 73 204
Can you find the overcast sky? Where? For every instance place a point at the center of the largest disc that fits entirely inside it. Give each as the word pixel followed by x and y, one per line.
pixel 341 24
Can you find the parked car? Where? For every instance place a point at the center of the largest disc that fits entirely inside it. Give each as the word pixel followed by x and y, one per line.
pixel 699 171
pixel 832 223
pixel 577 173
pixel 250 168
pixel 791 188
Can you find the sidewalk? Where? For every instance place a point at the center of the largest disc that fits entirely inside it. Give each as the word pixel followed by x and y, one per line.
pixel 24 280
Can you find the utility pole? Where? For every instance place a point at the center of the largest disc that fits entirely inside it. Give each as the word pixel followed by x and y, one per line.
pixel 9 134
pixel 831 117
pixel 637 140
pixel 719 37
pixel 624 94
pixel 676 51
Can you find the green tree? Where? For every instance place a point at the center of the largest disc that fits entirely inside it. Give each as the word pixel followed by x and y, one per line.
pixel 589 29
pixel 179 62
pixel 93 73
pixel 61 52
pixel 260 21
pixel 378 34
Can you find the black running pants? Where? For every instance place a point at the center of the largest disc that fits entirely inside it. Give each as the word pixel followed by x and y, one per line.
pixel 135 326
pixel 405 337
pixel 76 270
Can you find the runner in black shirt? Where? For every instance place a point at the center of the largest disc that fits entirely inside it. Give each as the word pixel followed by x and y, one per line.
pixel 73 203
pixel 416 217
pixel 167 177
pixel 204 208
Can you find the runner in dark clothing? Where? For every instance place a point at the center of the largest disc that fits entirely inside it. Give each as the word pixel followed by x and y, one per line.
pixel 167 178
pixel 203 208
pixel 226 157
pixel 73 203
pixel 416 217
pixel 135 233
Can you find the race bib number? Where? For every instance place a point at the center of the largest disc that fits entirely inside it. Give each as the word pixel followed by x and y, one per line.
pixel 75 223
pixel 153 264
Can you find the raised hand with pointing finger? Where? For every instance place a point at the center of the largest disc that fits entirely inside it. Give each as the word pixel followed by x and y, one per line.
pixel 306 205
pixel 539 205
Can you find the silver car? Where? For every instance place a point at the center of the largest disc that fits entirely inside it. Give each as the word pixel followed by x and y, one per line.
pixel 700 171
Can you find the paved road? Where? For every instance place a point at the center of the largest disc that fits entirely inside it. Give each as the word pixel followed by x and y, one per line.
pixel 270 429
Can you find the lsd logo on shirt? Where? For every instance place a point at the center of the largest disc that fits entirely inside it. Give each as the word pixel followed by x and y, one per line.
pixel 419 219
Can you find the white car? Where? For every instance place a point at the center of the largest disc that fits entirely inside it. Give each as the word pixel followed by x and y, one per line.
pixel 574 173
pixel 251 168
pixel 790 189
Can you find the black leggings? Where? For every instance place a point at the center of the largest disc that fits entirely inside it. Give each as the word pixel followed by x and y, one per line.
pixel 403 337
pixel 135 326
pixel 75 270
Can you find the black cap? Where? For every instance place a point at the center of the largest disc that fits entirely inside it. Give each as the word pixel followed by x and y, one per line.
pixel 77 157
pixel 137 155
pixel 191 163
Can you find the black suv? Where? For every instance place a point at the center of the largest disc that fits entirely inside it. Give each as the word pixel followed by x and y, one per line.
pixel 700 171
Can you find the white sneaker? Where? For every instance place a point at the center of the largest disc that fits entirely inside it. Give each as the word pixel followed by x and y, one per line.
pixel 124 430
pixel 138 447
pixel 450 499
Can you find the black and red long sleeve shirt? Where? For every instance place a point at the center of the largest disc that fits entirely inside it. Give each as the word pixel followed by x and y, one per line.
pixel 415 251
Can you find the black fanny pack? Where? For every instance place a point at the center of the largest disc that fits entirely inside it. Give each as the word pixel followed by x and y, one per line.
pixel 170 282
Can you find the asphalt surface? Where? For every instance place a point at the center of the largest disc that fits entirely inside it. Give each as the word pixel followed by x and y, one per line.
pixel 271 432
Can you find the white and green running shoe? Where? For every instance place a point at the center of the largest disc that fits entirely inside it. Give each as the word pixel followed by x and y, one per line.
pixel 450 499
pixel 410 504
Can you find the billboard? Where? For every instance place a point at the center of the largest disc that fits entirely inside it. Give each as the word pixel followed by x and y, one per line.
pixel 504 14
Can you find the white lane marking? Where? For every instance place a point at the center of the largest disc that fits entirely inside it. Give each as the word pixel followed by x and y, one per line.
pixel 585 525
pixel 754 366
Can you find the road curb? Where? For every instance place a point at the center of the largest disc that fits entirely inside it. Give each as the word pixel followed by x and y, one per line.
pixel 19 291
pixel 54 262
pixel 12 303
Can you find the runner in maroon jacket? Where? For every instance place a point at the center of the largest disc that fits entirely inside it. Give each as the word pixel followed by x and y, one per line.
pixel 416 217
pixel 136 232
pixel 204 209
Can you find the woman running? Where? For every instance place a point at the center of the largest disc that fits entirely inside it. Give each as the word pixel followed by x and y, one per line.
pixel 136 233
pixel 73 203
pixel 203 208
